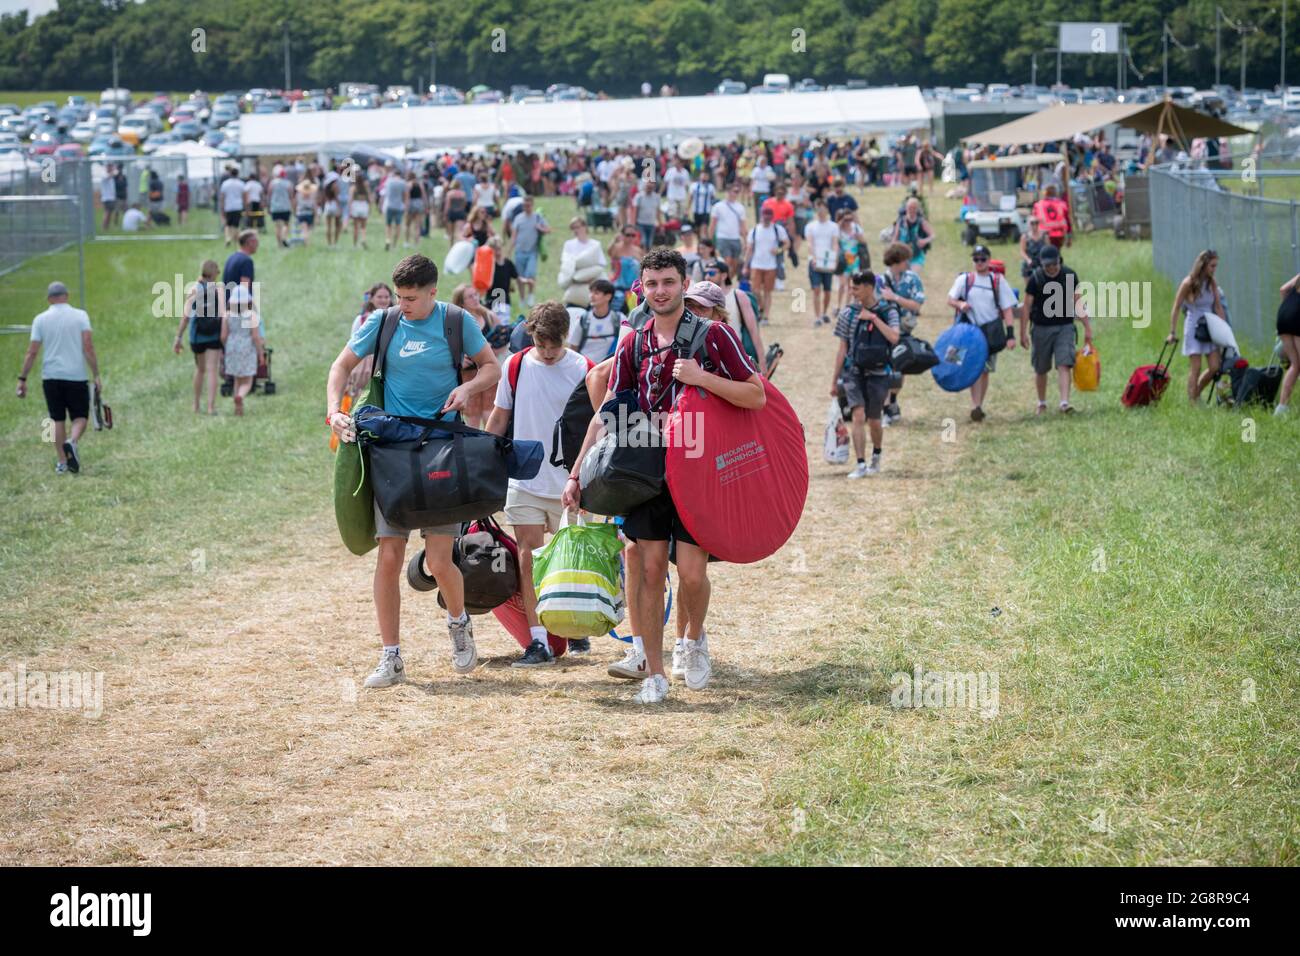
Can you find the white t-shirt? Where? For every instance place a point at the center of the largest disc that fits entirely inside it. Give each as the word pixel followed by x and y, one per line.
pixel 602 333
pixel 108 189
pixel 232 194
pixel 760 180
pixel 764 241
pixel 604 169
pixel 132 220
pixel 730 215
pixel 824 243
pixel 59 329
pixel 253 190
pixel 485 195
pixel 676 181
pixel 983 309
pixel 512 206
pixel 544 390
pixel 573 248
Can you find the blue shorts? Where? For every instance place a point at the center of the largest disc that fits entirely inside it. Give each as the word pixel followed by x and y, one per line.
pixel 526 264
pixel 820 280
pixel 393 217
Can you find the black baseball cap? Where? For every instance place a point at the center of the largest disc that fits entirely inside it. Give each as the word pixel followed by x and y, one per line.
pixel 1049 254
pixel 980 251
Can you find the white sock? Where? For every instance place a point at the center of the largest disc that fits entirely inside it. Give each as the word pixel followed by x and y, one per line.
pixel 457 620
pixel 539 634
pixel 638 644
pixel 392 650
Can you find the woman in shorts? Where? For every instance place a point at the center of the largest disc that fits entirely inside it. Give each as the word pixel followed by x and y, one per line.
pixel 1288 330
pixel 308 192
pixel 333 212
pixel 416 205
pixel 359 211
pixel 455 207
pixel 205 304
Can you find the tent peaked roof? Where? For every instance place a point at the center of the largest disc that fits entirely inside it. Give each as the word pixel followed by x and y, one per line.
pixel 1065 120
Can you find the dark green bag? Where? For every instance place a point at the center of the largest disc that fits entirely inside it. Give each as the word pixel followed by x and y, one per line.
pixel 354 502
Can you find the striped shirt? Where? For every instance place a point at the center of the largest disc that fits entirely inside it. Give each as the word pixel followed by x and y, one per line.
pixel 703 196
pixel 656 389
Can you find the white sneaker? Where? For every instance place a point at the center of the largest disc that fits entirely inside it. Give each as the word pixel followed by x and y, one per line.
pixel 780 285
pixel 390 671
pixel 653 690
pixel 679 660
pixel 464 655
pixel 698 666
pixel 873 467
pixel 633 666
pixel 860 471
pixel 1281 410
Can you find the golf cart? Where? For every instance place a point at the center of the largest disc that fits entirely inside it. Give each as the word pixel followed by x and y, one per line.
pixel 1000 194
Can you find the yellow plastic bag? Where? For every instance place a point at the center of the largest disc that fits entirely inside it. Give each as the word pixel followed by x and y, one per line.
pixel 1087 369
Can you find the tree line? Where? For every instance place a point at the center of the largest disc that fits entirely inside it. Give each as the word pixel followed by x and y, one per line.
pixel 615 45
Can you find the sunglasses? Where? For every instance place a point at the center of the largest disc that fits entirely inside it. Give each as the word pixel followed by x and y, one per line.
pixel 979 258
pixel 710 272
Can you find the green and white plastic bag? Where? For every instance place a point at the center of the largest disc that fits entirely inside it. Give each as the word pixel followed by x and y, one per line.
pixel 576 574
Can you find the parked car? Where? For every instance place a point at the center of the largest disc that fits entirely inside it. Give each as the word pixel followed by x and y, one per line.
pixel 140 125
pixel 153 143
pixel 69 152
pixel 188 129
pixel 303 106
pixel 730 88
pixel 82 132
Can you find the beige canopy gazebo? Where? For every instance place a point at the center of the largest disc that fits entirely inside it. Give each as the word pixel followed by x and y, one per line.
pixel 1064 121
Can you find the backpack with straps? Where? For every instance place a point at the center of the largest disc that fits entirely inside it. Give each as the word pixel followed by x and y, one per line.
pixel 453 329
pixel 688 342
pixel 584 322
pixel 570 428
pixel 865 353
pixel 995 333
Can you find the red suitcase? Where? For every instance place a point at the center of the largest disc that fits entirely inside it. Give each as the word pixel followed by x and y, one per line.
pixel 1148 382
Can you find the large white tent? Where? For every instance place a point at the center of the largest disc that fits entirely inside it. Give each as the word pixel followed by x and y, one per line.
pixel 590 122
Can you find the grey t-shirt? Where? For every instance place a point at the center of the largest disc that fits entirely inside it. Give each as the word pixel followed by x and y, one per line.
pixel 395 193
pixel 281 193
pixel 647 208
pixel 525 230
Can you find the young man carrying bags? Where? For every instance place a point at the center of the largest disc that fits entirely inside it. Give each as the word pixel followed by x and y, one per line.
pixel 726 372
pixel 534 390
pixel 421 379
pixel 868 328
pixel 1052 303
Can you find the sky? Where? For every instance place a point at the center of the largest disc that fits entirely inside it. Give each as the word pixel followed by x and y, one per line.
pixel 34 7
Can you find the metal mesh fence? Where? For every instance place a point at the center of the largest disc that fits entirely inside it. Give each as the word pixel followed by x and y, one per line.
pixel 41 240
pixel 52 178
pixel 1257 239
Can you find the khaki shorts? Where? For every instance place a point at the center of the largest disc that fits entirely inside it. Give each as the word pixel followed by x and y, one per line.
pixel 525 508
pixel 1052 343
pixel 385 530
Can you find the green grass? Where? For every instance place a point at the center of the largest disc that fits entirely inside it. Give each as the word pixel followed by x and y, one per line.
pixel 166 487
pixel 25 98
pixel 1144 563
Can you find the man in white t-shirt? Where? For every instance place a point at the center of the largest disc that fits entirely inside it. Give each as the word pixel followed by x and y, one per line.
pixel 726 226
pixel 595 331
pixel 764 244
pixel 233 204
pixel 676 182
pixel 582 245
pixel 823 256
pixel 983 297
pixel 253 191
pixel 534 389
pixel 64 333
pixel 133 220
pixel 760 181
pixel 108 196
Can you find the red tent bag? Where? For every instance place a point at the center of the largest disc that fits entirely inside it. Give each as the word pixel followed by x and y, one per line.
pixel 738 476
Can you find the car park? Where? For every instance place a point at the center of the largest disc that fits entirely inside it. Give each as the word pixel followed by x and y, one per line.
pixel 155 142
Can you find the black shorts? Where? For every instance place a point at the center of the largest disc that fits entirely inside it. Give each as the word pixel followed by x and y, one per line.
pixel 656 520
pixel 198 348
pixel 701 222
pixel 909 170
pixel 868 392
pixel 254 208
pixel 280 216
pixel 66 399
pixel 232 218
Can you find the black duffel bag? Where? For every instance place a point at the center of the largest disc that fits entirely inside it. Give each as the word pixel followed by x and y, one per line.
pixel 452 473
pixel 912 356
pixel 486 557
pixel 625 468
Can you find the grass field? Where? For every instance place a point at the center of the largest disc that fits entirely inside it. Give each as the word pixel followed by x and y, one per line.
pixel 1130 578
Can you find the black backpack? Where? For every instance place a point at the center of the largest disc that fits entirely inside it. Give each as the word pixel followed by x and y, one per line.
pixel 571 428
pixel 869 350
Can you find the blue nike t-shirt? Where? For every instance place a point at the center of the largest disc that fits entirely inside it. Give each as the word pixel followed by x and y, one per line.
pixel 418 374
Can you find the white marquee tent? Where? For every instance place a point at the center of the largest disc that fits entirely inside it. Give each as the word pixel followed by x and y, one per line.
pixel 589 122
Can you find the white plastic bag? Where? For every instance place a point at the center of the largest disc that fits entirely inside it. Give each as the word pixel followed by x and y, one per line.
pixel 836 440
